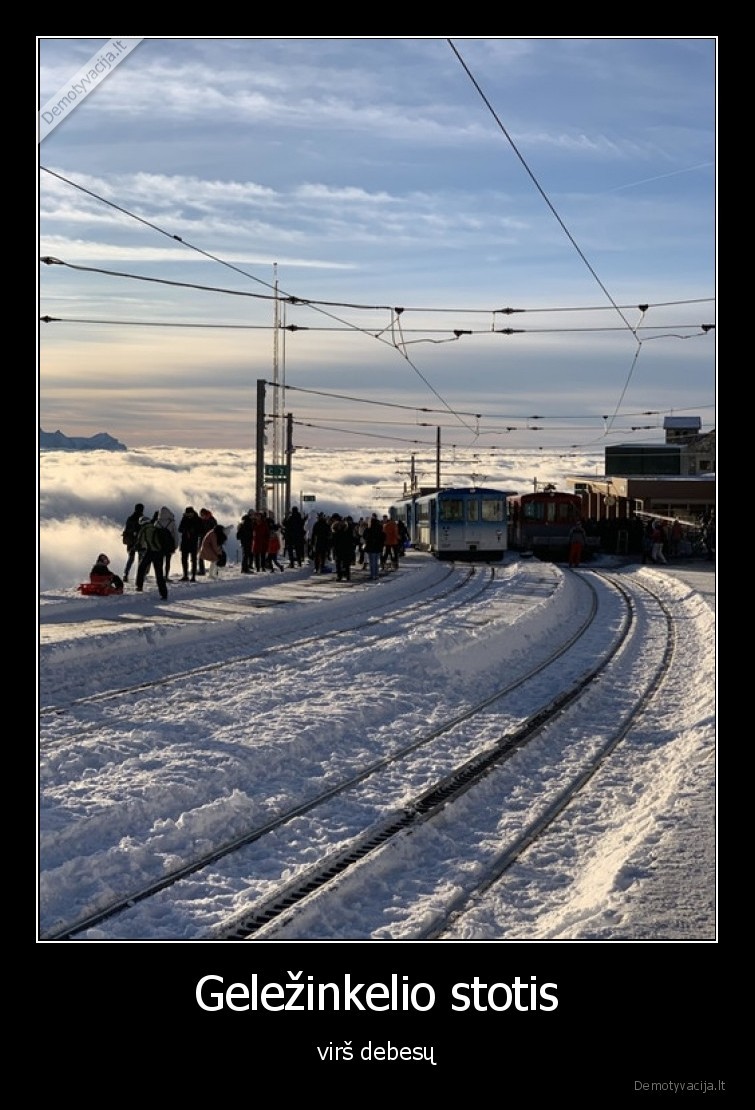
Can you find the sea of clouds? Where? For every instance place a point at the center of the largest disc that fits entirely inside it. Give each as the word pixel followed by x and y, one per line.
pixel 85 496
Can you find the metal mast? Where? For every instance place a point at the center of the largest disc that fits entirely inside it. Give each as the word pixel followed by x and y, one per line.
pixel 276 450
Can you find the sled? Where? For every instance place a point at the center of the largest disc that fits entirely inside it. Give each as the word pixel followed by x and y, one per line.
pixel 98 589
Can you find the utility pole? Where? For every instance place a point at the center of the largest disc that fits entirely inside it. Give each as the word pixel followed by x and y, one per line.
pixel 437 457
pixel 289 454
pixel 276 391
pixel 259 492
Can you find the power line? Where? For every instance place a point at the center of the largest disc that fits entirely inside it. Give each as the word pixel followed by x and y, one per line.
pixel 703 328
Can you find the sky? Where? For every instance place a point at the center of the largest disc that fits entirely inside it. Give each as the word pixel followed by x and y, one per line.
pixel 407 190
pixel 163 728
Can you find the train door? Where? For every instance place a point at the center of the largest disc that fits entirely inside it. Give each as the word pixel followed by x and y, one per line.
pixel 485 525
pixel 422 532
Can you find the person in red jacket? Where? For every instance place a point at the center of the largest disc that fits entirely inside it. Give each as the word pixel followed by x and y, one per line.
pixel 260 540
pixel 391 541
pixel 101 575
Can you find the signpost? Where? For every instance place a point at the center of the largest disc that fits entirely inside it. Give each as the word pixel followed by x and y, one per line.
pixel 275 472
pixel 308 497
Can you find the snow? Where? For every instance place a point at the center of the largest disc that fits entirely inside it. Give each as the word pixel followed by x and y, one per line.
pixel 168 729
pixel 233 707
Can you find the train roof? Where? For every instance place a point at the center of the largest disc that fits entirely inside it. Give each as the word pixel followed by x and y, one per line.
pixel 489 490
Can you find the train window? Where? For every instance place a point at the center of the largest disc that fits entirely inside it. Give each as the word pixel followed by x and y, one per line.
pixel 491 508
pixel 452 509
pixel 472 510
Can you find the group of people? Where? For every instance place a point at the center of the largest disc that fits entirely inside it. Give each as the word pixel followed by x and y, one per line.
pixel 322 539
pixel 152 541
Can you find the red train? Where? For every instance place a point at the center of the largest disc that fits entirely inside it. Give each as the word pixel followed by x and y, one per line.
pixel 540 523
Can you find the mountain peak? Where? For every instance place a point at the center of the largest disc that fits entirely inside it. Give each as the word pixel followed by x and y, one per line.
pixel 57 441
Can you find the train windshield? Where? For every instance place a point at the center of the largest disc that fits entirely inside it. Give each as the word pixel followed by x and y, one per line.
pixel 452 508
pixel 491 508
pixel 551 511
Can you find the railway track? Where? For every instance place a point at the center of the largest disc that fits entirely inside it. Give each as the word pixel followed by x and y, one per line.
pixel 297 869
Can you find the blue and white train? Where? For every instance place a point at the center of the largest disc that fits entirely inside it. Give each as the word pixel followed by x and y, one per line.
pixel 464 523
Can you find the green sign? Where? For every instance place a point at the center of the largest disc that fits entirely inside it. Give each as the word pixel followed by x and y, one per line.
pixel 308 497
pixel 276 471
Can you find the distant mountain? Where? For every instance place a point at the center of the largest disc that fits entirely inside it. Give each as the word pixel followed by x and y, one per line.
pixel 56 441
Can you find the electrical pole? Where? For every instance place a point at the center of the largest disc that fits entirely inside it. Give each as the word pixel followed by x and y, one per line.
pixel 289 453
pixel 259 493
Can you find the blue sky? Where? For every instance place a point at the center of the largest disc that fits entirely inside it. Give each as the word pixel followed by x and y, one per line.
pixel 572 178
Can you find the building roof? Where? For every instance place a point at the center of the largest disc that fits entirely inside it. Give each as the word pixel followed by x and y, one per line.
pixel 693 423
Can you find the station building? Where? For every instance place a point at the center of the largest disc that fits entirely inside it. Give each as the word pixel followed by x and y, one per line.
pixel 676 478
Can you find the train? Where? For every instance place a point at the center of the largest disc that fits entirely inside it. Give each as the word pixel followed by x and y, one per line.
pixel 457 523
pixel 540 523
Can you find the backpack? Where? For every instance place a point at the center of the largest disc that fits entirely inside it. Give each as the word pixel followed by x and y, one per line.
pixel 221 534
pixel 164 539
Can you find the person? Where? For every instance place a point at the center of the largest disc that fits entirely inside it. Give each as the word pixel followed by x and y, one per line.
pixel 658 539
pixel 210 552
pixel 293 530
pixel 130 533
pixel 373 540
pixel 577 540
pixel 190 531
pixel 390 542
pixel 273 549
pixel 244 534
pixel 260 540
pixel 342 542
pixel 321 540
pixel 102 576
pixel 206 521
pixel 167 520
pixel 153 556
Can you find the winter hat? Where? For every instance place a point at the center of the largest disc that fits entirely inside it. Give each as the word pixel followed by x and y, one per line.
pixel 102 559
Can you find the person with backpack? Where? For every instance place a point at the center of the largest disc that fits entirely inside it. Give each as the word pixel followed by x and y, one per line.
pixel 130 533
pixel 169 537
pixel 150 542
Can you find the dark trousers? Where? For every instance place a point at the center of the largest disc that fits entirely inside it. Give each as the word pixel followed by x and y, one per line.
pixel 132 553
pixel 189 556
pixel 154 559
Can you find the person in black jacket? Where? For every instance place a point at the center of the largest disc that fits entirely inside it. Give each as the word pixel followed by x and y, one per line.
pixel 130 534
pixel 293 530
pixel 373 540
pixel 190 530
pixel 244 534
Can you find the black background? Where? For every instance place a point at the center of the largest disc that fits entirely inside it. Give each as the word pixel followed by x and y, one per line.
pixel 628 1013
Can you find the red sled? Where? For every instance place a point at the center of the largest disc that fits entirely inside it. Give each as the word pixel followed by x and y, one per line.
pixel 98 589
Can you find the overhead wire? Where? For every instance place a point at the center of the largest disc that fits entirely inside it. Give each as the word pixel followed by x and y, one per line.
pixel 286 296
pixel 561 223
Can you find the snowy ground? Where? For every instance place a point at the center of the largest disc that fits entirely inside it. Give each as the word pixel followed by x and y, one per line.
pixel 224 719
